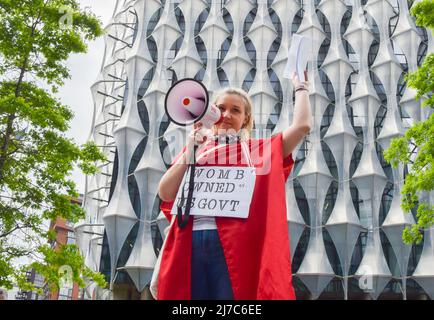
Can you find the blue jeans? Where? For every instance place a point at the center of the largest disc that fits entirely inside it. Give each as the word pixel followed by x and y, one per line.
pixel 209 272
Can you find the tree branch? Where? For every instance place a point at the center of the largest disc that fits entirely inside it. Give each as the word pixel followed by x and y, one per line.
pixel 10 231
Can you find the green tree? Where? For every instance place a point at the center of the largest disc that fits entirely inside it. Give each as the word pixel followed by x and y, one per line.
pixel 36 157
pixel 420 136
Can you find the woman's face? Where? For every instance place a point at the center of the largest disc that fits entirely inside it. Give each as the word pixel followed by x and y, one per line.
pixel 234 112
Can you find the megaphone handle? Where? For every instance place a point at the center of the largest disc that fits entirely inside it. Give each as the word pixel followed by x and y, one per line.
pixel 202 132
pixel 183 219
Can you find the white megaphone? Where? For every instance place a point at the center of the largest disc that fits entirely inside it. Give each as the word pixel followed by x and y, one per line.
pixel 187 103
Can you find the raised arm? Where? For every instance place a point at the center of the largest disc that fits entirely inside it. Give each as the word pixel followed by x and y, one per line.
pixel 302 120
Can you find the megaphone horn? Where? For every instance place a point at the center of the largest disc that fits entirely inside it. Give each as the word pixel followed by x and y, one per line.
pixel 193 105
pixel 187 103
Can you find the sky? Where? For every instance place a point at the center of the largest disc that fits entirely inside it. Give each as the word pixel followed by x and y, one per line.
pixel 84 69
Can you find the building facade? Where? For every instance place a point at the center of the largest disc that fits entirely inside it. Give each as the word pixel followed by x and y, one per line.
pixel 65 235
pixel 343 199
pixel 3 294
pixel 39 283
pixel 68 291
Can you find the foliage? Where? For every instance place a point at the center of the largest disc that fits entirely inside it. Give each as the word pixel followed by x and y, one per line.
pixel 420 178
pixel 36 157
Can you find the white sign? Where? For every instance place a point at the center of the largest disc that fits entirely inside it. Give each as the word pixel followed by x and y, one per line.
pixel 219 191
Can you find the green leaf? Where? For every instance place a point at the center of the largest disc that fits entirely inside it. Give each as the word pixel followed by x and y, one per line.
pixel 36 158
pixel 419 136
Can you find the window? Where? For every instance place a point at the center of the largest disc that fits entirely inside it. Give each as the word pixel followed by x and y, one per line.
pixel 65 293
pixel 70 224
pixel 70 238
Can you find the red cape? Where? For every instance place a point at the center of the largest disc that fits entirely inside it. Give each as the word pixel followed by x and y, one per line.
pixel 256 248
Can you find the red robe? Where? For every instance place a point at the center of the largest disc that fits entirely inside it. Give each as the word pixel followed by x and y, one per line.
pixel 256 249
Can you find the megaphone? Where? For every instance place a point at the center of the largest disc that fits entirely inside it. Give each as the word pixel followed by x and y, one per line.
pixel 187 102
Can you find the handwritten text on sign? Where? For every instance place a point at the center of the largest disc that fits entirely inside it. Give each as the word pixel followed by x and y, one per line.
pixel 219 191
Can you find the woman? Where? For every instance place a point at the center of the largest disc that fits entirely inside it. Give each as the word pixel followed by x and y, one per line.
pixel 226 257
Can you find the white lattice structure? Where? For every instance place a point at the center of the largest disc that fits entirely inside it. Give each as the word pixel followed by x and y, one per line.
pixel 344 215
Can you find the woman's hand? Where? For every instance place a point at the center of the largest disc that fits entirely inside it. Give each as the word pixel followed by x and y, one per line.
pixel 197 135
pixel 171 180
pixel 300 85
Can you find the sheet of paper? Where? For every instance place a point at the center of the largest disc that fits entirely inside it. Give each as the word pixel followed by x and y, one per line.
pixel 298 55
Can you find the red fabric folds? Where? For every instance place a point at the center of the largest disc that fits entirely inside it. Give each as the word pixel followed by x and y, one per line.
pixel 256 249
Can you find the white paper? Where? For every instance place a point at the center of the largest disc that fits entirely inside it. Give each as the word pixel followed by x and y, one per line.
pixel 298 55
pixel 219 191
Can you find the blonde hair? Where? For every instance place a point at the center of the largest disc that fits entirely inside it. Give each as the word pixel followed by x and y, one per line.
pixel 246 129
